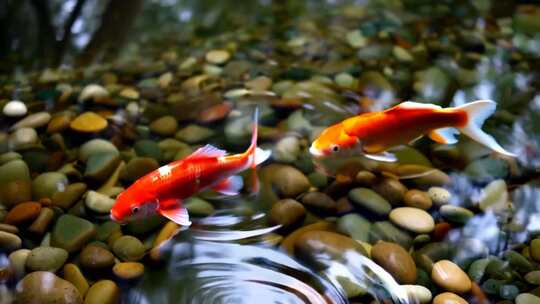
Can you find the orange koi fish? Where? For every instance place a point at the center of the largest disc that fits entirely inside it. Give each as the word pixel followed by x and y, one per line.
pixel 162 190
pixel 371 134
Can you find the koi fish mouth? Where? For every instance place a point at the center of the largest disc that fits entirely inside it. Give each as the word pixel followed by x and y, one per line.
pixel 117 220
pixel 315 152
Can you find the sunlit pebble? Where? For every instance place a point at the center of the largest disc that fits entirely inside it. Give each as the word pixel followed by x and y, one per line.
pixel 94 92
pixel 217 56
pixel 15 108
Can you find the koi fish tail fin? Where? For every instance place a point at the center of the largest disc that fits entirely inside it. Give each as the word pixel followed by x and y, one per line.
pixel 256 155
pixel 477 112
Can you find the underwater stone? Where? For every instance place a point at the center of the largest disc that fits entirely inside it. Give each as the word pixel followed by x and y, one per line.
pixel 98 202
pixel 95 257
pixel 128 248
pixel 449 298
pixel 32 289
pixel 355 226
pixel 103 292
pixel 71 232
pixel 95 146
pixel 368 199
pixel 15 108
pixel 287 212
pixel 48 183
pixel 128 270
pixel 35 120
pixel 73 274
pixel 396 260
pixel 9 241
pixel 412 219
pixel 88 122
pixel 450 277
pixel 46 259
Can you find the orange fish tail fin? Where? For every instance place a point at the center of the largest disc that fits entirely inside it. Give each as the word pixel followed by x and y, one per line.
pixel 255 154
pixel 477 112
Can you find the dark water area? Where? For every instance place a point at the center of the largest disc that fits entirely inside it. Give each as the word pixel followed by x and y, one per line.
pixel 96 94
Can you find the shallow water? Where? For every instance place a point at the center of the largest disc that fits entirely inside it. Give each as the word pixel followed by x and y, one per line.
pixel 90 104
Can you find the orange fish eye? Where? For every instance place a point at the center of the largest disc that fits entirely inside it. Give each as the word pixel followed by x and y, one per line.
pixel 135 209
pixel 334 148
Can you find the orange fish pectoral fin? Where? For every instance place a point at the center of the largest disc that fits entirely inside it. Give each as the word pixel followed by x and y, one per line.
pixel 444 135
pixel 173 210
pixel 229 186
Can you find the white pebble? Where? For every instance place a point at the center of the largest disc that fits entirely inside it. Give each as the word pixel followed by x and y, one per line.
pixel 439 195
pixel 418 293
pixel 94 92
pixel 15 108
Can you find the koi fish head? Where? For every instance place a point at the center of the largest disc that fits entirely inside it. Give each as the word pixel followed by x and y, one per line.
pixel 129 206
pixel 333 141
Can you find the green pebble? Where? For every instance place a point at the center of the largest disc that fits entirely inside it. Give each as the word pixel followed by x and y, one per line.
pixel 14 170
pixel 533 277
pixel 487 169
pixel 508 292
pixel 518 261
pixel 105 230
pixel 147 148
pixel 96 146
pixel 100 165
pixel 318 180
pixel 368 199
pixel 456 214
pixel 198 207
pixel 355 226
pixel 72 233
pixel 386 231
pixel 46 259
pixel 492 286
pixel 193 134
pixel 128 248
pixel 477 269
pixel 98 202
pixel 48 183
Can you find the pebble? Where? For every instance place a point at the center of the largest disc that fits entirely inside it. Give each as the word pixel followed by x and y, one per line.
pixel 35 120
pixel 59 122
pixel 368 199
pixel 534 249
pixel 98 202
pixel 88 122
pixel 386 231
pixel 527 298
pixel 494 196
pixel 31 289
pixel 9 228
pixel 419 293
pixel 9 241
pixel 103 292
pixel 287 149
pixel 320 203
pixel 24 138
pixel 289 181
pixel 450 277
pixel 128 248
pixel 449 298
pixel 355 226
pixel 71 232
pixel 71 194
pixel 15 108
pixel 193 134
pixel 217 56
pixel 129 270
pixel 23 213
pixel 17 262
pixel 391 189
pixel 396 260
pixel 311 245
pixel 412 219
pixel 365 178
pixel 147 148
pixel 96 257
pixel 96 146
pixel 94 92
pixel 46 184
pixel 46 259
pixel 101 165
pixel 138 167
pixel 198 207
pixel 164 126
pixel 287 212
pixel 417 199
pixel 42 222
pixel 73 274
pixel 456 214
pixel 533 277
pixel 166 233
pixel 15 170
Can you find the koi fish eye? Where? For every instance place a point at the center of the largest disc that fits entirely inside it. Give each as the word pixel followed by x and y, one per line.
pixel 335 148
pixel 135 210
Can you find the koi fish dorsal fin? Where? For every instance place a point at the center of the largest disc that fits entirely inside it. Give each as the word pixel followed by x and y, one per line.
pixel 207 151
pixel 417 105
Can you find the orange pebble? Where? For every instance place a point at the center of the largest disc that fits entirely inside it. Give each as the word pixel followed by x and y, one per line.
pixel 22 213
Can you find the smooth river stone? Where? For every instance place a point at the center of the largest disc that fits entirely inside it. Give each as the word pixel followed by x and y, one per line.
pixel 418 293
pixel 73 274
pixel 88 122
pixel 45 258
pixel 15 108
pixel 103 292
pixel 396 260
pixel 46 287
pixel 527 298
pixel 450 277
pixel 72 232
pixel 368 199
pixel 287 212
pixel 311 245
pixel 412 219
pixel 23 213
pixel 417 199
pixel 449 298
pixel 35 120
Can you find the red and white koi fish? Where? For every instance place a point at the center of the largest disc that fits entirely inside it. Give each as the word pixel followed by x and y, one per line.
pixel 371 134
pixel 162 190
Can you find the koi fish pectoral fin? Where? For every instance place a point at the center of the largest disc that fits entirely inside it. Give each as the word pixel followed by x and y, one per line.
pixel 229 186
pixel 173 210
pixel 382 157
pixel 444 135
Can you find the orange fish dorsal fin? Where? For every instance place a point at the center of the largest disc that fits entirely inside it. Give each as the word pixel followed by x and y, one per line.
pixel 206 152
pixel 417 105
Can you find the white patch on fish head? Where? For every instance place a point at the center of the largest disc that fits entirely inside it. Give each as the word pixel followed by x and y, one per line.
pixel 165 171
